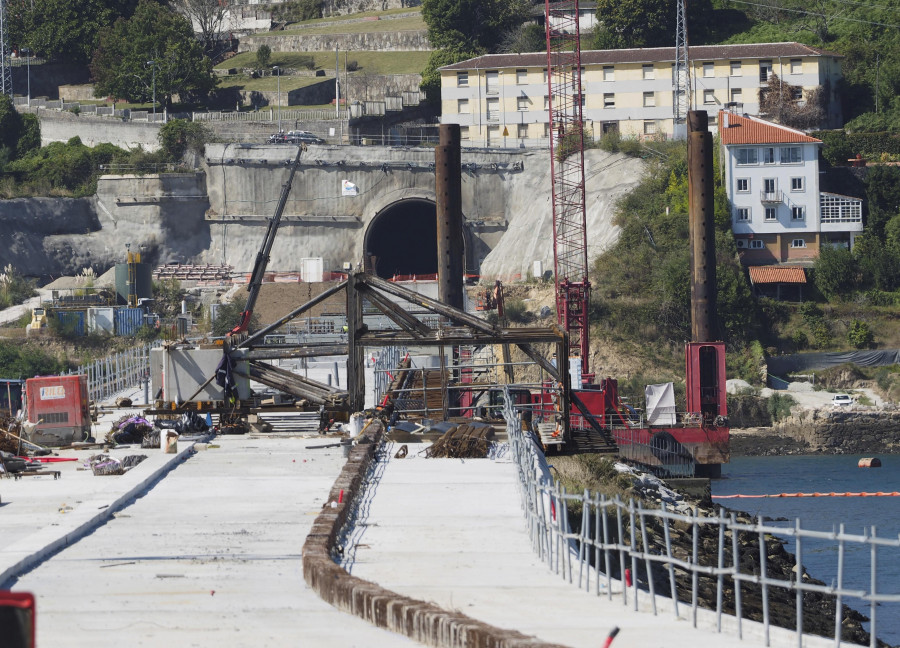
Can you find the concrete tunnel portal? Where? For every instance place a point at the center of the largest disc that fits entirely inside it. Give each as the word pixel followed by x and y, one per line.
pixel 402 239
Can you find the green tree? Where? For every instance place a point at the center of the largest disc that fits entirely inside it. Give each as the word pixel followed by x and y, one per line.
pixel 62 30
pixel 263 56
pixel 524 38
pixel 70 166
pixel 471 25
pixel 30 138
pixel 25 361
pixel 229 315
pixel 11 129
pixel 647 23
pixel 180 136
pixel 860 335
pixel 157 39
pixel 878 264
pixel 835 271
pixel 883 197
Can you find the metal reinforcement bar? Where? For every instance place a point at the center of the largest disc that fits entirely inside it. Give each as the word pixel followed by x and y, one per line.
pixel 627 550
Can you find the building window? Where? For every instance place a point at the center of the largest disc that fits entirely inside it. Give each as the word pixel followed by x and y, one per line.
pixel 522 131
pixel 580 98
pixel 796 66
pixel 735 68
pixel 798 243
pixel 765 69
pixel 609 73
pixel 546 102
pixel 737 96
pixel 649 99
pixel 769 186
pixel 743 185
pixel 462 79
pixel 743 214
pixel 791 155
pixel 835 208
pixel 709 69
pixel 796 213
pixel 797 184
pixel 768 155
pixel 462 106
pixel 755 244
pixel 649 128
pixel 521 103
pixel 747 156
pixel 609 100
pixel 492 81
pixel 609 127
pixel 493 109
pixel 771 214
pixel 709 96
pixel 546 129
pixel 545 75
pixel 648 72
pixel 712 118
pixel 521 77
pixel 464 132
pixel 796 93
pixel 493 134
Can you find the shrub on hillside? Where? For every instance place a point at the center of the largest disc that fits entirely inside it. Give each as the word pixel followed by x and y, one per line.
pixel 860 335
pixel 779 406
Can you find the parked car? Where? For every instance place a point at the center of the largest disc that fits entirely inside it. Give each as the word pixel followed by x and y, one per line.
pixel 297 137
pixel 842 400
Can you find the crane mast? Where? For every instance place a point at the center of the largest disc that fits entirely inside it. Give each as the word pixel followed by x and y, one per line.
pixel 566 98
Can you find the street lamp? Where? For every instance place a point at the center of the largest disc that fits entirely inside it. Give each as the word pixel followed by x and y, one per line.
pixel 153 63
pixel 277 70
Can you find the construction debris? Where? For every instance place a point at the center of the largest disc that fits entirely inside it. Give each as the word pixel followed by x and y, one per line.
pixel 463 442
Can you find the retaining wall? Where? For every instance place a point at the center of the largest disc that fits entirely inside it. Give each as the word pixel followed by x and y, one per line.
pixel 397 41
pixel 423 622
pixel 841 431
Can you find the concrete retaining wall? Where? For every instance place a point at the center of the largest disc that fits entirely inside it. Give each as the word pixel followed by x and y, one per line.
pixel 345 7
pixel 62 126
pixel 423 622
pixel 844 431
pixel 397 41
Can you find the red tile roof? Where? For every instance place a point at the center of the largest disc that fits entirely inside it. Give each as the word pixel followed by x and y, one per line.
pixel 750 130
pixel 646 55
pixel 776 274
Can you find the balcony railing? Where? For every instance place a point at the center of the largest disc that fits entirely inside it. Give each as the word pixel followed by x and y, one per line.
pixel 771 197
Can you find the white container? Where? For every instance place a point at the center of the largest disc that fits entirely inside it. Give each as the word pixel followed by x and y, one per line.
pixel 357 421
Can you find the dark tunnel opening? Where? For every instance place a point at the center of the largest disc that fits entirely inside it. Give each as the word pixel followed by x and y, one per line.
pixel 403 240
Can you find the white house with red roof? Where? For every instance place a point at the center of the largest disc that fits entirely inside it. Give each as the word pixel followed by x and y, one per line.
pixel 772 179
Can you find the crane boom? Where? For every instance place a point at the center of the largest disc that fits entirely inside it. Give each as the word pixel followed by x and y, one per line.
pixel 262 257
pixel 566 99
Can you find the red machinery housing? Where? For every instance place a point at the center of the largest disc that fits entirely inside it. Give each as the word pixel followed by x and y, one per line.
pixel 60 406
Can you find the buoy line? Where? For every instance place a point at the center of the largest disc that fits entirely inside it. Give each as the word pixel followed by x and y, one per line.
pixel 861 494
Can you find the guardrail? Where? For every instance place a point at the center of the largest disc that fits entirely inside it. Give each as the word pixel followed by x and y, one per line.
pixel 620 541
pixel 115 373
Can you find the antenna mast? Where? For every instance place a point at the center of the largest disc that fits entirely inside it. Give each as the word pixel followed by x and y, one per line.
pixel 5 69
pixel 683 100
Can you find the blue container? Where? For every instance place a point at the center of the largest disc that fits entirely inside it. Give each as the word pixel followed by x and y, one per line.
pixel 129 320
pixel 72 321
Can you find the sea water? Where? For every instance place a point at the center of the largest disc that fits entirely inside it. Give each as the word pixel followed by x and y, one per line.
pixel 826 474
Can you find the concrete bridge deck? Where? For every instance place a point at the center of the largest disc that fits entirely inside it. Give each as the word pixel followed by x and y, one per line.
pixel 204 550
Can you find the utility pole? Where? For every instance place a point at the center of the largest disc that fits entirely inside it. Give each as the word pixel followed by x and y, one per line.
pixel 153 63
pixel 278 71
pixel 337 93
pixel 5 69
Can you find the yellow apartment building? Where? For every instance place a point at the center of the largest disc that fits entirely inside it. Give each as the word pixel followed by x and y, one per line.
pixel 502 99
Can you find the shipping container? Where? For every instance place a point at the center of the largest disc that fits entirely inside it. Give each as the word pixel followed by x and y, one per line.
pixel 101 320
pixel 11 392
pixel 129 321
pixel 72 321
pixel 60 406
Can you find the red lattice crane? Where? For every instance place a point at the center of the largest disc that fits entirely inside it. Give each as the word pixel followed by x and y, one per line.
pixel 566 99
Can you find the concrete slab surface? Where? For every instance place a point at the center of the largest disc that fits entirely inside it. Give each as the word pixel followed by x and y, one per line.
pixel 453 532
pixel 210 556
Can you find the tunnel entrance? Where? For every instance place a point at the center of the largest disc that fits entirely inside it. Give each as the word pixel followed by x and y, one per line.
pixel 402 240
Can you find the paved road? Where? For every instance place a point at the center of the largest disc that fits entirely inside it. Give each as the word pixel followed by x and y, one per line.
pixel 209 557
